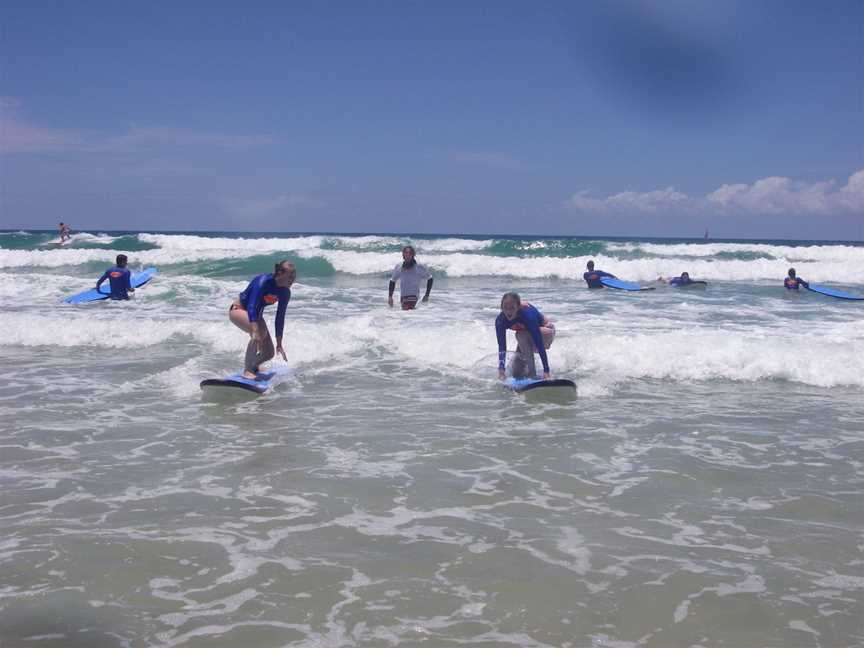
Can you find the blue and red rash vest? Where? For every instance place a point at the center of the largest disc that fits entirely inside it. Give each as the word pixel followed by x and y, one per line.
pixel 120 280
pixel 260 293
pixel 592 278
pixel 792 283
pixel 528 319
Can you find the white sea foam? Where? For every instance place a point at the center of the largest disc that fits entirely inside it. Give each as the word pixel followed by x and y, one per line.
pixel 159 257
pixel 454 265
pixel 190 243
pixel 463 258
pixel 421 245
pixel 820 357
pixel 820 360
pixel 360 242
pixel 791 253
pixel 450 245
pixel 86 237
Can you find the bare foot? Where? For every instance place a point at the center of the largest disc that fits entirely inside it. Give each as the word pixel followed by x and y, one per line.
pixel 249 375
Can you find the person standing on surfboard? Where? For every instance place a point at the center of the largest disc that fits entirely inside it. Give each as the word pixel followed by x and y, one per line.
pixel 793 282
pixel 410 274
pixel 65 233
pixel 592 277
pixel 533 331
pixel 247 313
pixel 119 278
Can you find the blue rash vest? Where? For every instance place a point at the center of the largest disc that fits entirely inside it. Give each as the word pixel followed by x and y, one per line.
pixel 260 293
pixel 527 318
pixel 120 280
pixel 680 281
pixel 793 283
pixel 592 278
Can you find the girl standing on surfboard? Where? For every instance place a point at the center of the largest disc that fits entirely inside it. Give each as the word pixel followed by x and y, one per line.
pixel 533 331
pixel 247 313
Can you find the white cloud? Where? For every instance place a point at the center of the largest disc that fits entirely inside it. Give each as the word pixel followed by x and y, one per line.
pixel 767 196
pixel 649 202
pixel 17 135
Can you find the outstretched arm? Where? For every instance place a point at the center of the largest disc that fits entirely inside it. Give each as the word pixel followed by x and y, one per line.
pixel 501 334
pixel 537 337
pixel 280 324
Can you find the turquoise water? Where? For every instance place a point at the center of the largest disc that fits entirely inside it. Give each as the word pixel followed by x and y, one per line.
pixel 703 489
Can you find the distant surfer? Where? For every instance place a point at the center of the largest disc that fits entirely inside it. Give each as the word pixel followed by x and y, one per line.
pixel 683 280
pixel 247 313
pixel 119 278
pixel 410 274
pixel 793 282
pixel 592 277
pixel 65 233
pixel 533 331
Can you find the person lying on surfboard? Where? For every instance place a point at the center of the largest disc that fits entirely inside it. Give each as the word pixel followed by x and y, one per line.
pixel 533 331
pixel 683 280
pixel 119 278
pixel 247 313
pixel 592 277
pixel 410 274
pixel 793 282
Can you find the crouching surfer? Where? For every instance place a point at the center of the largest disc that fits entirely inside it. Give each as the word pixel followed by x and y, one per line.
pixel 533 331
pixel 247 313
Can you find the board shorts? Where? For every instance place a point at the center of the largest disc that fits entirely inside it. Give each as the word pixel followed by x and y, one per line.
pixel 409 302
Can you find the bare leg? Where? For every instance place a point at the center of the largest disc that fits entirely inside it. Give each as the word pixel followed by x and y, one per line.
pixel 548 333
pixel 523 363
pixel 266 350
pixel 255 353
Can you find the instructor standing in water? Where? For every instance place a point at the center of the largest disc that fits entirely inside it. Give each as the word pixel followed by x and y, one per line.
pixel 247 313
pixel 410 274
pixel 119 278
pixel 592 277
pixel 792 281
pixel 533 331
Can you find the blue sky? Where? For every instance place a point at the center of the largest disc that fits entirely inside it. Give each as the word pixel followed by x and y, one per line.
pixel 620 118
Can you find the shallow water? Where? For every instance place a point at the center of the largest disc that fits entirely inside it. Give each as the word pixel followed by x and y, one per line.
pixel 703 489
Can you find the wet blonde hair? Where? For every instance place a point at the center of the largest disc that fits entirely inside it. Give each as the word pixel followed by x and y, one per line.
pixel 285 266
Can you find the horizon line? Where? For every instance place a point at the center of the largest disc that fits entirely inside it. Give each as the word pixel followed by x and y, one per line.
pixel 441 234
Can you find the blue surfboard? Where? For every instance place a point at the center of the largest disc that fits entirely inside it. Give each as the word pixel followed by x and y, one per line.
pixel 137 280
pixel 528 384
pixel 833 292
pixel 611 282
pixel 238 383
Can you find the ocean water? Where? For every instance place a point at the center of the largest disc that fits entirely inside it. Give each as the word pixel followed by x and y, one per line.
pixel 703 489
